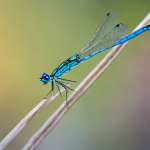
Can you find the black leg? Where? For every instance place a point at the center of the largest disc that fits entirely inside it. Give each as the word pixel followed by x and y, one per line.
pixel 61 83
pixel 66 80
pixel 51 89
pixel 66 97
pixel 65 89
pixel 58 87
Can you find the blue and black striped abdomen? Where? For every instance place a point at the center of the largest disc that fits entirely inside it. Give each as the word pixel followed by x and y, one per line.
pixel 134 34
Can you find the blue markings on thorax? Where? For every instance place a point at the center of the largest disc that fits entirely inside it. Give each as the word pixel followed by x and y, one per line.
pixel 66 66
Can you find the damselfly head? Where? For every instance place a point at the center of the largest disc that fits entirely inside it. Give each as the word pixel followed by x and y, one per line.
pixel 45 78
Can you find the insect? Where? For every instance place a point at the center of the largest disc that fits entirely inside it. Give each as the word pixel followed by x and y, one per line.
pixel 107 35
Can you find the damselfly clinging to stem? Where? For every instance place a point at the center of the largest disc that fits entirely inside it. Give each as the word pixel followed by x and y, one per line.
pixel 107 35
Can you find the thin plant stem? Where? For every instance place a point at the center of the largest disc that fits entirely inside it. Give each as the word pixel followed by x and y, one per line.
pixel 14 132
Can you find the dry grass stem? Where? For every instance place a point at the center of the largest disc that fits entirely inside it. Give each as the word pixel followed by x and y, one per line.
pixel 47 127
pixel 9 138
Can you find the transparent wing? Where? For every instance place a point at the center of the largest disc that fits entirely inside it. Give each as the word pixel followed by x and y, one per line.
pixel 106 25
pixel 111 38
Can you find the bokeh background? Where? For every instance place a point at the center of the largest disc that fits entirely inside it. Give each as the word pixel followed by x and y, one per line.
pixel 36 36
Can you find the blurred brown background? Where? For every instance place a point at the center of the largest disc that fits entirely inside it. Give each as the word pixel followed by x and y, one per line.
pixel 36 36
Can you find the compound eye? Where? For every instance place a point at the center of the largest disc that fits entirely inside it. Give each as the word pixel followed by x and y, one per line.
pixel 46 77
